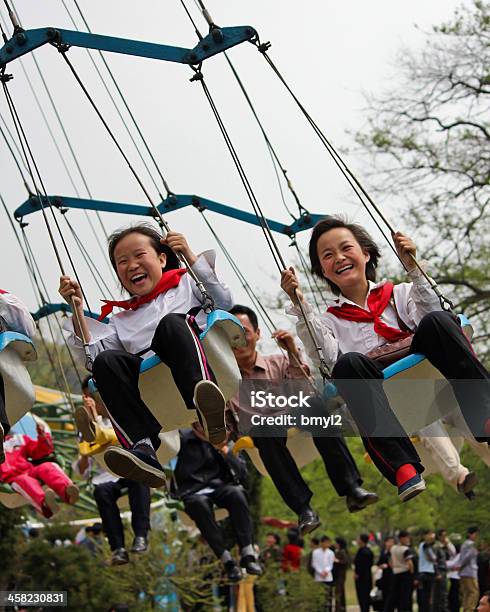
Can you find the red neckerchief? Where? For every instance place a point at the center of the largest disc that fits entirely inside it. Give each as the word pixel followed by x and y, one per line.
pixel 3 291
pixel 168 280
pixel 377 301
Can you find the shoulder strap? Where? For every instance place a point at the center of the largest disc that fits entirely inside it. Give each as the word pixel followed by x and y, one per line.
pixel 401 324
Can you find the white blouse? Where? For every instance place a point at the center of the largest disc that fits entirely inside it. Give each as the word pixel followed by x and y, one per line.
pixel 133 330
pixel 338 336
pixel 16 315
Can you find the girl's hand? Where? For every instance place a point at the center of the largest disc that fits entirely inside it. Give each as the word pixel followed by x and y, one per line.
pixel 290 284
pixel 178 243
pixel 406 250
pixel 70 291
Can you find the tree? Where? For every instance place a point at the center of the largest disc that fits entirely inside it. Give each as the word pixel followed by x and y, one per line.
pixel 431 141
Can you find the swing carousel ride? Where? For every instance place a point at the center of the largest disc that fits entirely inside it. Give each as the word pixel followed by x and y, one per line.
pixel 58 210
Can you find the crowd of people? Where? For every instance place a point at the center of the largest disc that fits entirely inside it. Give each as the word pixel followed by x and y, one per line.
pixel 435 574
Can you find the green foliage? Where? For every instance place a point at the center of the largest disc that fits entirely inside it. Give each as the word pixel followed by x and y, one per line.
pixel 277 590
pixel 430 139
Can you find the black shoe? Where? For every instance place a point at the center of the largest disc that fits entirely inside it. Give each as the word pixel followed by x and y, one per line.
pixel 358 499
pixel 120 557
pixel 251 565
pixel 140 544
pixel 210 405
pixel 233 572
pixel 138 463
pixel 468 483
pixel 308 521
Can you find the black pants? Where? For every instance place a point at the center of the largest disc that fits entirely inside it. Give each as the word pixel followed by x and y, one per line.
pixel 425 591
pixel 231 497
pixel 3 412
pixel 399 596
pixel 339 463
pixel 359 380
pixel 106 496
pixel 363 590
pixel 453 599
pixel 176 342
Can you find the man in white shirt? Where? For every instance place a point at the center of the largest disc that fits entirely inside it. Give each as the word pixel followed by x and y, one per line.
pixel 322 560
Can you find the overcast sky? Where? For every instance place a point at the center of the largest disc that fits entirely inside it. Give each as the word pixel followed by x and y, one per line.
pixel 330 53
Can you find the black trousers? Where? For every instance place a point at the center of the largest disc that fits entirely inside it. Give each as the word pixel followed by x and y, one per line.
pixel 425 591
pixel 231 497
pixel 339 463
pixel 3 412
pixel 399 596
pixel 363 590
pixel 453 600
pixel 106 496
pixel 176 342
pixel 359 380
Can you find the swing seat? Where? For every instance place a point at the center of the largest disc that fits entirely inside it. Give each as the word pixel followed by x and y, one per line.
pixel 15 349
pixel 158 389
pixel 417 392
pixel 299 443
pixel 178 505
pixel 11 499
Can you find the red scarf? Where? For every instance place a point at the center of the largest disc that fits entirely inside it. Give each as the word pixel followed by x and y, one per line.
pixel 168 280
pixel 377 301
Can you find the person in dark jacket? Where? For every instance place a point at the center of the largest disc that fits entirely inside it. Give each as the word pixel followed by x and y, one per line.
pixel 205 476
pixel 363 562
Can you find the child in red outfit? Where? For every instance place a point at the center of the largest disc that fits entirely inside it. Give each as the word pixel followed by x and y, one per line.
pixel 26 478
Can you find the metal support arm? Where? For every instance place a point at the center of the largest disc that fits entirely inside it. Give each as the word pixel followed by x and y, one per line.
pixel 173 202
pixel 215 42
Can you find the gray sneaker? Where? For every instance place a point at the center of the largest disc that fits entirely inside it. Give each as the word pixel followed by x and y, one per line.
pixel 210 405
pixel 138 463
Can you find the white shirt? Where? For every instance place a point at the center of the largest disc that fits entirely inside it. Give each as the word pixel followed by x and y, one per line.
pixel 338 336
pixel 322 561
pixel 16 315
pixel 133 330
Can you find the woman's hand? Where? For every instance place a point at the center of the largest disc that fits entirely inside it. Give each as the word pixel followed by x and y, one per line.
pixel 178 243
pixel 406 250
pixel 290 284
pixel 70 291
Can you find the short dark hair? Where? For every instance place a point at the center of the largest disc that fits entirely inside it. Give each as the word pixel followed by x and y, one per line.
pixel 439 532
pixel 146 229
pixel 315 541
pixel 245 310
pixel 325 538
pixel 473 529
pixel 403 533
pixel 389 537
pixel 364 537
pixel 360 234
pixel 342 542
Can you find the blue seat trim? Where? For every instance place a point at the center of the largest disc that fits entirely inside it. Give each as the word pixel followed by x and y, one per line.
pixel 215 317
pixel 7 337
pixel 149 362
pixel 403 364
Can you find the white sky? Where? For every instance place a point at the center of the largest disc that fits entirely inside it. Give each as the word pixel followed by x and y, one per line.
pixel 330 52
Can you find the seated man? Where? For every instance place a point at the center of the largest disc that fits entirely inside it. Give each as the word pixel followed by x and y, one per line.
pixel 280 465
pixel 109 488
pixel 14 316
pixel 27 478
pixel 205 476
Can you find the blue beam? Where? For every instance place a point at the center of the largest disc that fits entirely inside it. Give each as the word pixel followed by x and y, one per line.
pixel 49 309
pixel 217 41
pixel 173 202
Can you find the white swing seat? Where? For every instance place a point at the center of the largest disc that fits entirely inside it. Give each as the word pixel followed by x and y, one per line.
pixel 15 349
pixel 300 445
pixel 13 500
pixel 417 392
pixel 158 389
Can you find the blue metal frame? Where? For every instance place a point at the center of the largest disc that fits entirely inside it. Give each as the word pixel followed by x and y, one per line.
pixel 49 309
pixel 173 202
pixel 218 40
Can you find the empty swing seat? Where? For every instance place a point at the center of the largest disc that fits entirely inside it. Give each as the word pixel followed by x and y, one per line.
pixel 158 389
pixel 15 349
